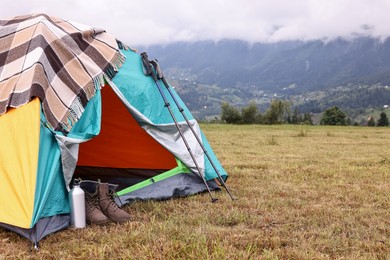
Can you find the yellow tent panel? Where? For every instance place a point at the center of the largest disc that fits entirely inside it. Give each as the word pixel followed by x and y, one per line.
pixel 19 147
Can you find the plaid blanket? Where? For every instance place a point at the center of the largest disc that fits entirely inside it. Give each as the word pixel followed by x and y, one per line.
pixel 61 62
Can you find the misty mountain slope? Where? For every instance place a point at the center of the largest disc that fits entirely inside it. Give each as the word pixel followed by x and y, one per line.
pixel 309 65
pixel 225 63
pixel 315 75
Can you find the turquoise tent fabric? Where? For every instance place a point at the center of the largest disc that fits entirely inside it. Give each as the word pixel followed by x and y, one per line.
pixel 88 125
pixel 209 169
pixel 51 196
pixel 141 92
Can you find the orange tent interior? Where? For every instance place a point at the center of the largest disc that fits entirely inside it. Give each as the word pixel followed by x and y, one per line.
pixel 122 145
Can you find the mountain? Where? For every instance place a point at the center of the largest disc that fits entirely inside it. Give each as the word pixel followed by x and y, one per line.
pixel 240 72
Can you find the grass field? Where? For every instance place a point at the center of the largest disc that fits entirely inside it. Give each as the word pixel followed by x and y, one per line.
pixel 305 192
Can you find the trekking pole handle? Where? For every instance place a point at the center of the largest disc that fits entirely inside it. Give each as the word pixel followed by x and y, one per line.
pixel 148 68
pixel 157 68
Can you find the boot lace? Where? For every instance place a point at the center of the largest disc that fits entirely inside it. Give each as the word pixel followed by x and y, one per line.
pixel 93 202
pixel 112 195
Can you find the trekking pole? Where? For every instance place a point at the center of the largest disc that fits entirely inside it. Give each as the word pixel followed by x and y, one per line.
pixel 149 72
pixel 161 77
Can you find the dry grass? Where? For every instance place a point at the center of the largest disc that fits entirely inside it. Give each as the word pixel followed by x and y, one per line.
pixel 304 193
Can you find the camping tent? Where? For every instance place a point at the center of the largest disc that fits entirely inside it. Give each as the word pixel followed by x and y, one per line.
pixel 75 102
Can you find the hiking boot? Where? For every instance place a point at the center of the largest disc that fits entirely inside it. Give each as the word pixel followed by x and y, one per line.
pixel 93 214
pixel 109 207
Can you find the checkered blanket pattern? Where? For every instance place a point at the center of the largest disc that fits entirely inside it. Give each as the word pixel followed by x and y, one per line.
pixel 61 62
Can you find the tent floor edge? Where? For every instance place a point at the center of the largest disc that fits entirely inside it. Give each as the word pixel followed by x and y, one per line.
pixel 42 228
pixel 177 185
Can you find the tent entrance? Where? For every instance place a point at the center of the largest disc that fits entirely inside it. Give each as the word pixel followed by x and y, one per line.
pixel 123 153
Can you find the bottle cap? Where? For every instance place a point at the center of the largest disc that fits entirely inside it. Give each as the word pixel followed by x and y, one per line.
pixel 76 182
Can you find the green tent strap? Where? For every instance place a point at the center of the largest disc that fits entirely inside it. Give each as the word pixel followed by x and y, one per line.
pixel 181 168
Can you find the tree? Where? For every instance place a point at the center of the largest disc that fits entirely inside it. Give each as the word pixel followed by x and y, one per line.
pixel 249 113
pixel 230 114
pixel 259 118
pixel 371 121
pixel 295 117
pixel 333 116
pixel 383 120
pixel 276 111
pixel 307 119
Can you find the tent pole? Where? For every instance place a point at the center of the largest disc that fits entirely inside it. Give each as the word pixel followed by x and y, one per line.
pixel 161 76
pixel 149 72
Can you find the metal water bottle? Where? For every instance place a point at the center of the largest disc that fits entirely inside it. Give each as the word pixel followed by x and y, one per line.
pixel 77 206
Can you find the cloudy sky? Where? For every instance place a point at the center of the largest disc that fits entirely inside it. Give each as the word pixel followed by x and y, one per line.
pixel 145 22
